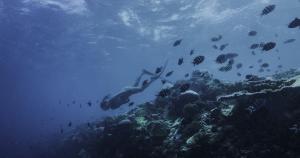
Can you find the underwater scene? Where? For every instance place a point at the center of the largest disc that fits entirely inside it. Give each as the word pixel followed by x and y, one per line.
pixel 150 78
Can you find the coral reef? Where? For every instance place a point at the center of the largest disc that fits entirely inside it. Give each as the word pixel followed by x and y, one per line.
pixel 255 118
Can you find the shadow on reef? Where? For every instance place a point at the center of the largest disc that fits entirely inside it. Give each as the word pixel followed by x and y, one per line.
pixel 255 118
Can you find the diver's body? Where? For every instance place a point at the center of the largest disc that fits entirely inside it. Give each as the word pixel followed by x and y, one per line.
pixel 123 97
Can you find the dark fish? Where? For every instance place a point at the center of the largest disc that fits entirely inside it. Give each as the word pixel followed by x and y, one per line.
pixel 260 60
pixel 295 23
pixel 225 68
pixel 187 75
pixel 164 93
pixel 223 46
pixel 163 81
pixel 253 53
pixel 222 58
pixel 251 77
pixel 73 102
pixel 269 46
pixel 89 103
pixel 180 61
pixel 279 66
pixel 239 65
pixel 192 52
pixel 61 131
pixel 80 106
pixel 184 87
pixel 254 46
pixel 231 55
pixel 158 70
pixel 145 82
pixel 70 124
pixel 177 43
pixel 215 46
pixel 198 60
pixel 239 74
pixel 264 65
pixel 289 41
pixel 268 70
pixel 215 39
pixel 89 125
pixel 261 70
pixel 251 67
pixel 169 73
pixel 268 9
pixel 131 103
pixel 252 33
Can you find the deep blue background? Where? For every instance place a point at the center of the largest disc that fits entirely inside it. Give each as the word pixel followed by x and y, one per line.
pixel 55 52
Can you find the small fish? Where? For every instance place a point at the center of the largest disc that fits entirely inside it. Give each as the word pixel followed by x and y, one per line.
pixel 254 46
pixel 269 46
pixel 268 9
pixel 215 46
pixel 268 70
pixel 145 82
pixel 223 46
pixel 279 66
pixel 184 87
pixel 186 75
pixel 264 65
pixel 251 67
pixel 225 68
pixel 164 93
pixel 295 23
pixel 177 43
pixel 61 131
pixel 180 61
pixel 89 125
pixel 70 124
pixel 198 60
pixel 289 41
pixel 239 65
pixel 89 103
pixel 169 73
pixel 80 106
pixel 253 53
pixel 215 39
pixel 239 74
pixel 231 55
pixel 222 58
pixel 131 103
pixel 73 102
pixel 231 62
pixel 158 70
pixel 163 81
pixel 252 33
pixel 260 60
pixel 192 52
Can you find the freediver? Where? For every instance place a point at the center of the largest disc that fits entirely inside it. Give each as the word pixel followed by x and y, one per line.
pixel 123 97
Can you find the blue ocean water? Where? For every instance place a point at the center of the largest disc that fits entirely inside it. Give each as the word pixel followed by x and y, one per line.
pixel 56 56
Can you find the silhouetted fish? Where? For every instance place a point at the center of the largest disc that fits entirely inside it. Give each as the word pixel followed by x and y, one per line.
pixel 158 70
pixel 231 55
pixel 289 41
pixel 252 33
pixel 61 131
pixel 269 46
pixel 215 46
pixel 89 103
pixel 223 46
pixel 260 60
pixel 261 70
pixel 184 87
pixel 268 70
pixel 163 81
pixel 239 74
pixel 225 68
pixel 198 60
pixel 279 66
pixel 215 39
pixel 251 67
pixel 164 93
pixel 73 102
pixel 180 61
pixel 295 23
pixel 169 73
pixel 231 61
pixel 192 52
pixel 222 58
pixel 131 103
pixel 268 9
pixel 177 43
pixel 187 75
pixel 264 65
pixel 254 46
pixel 253 53
pixel 239 65
pixel 70 124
